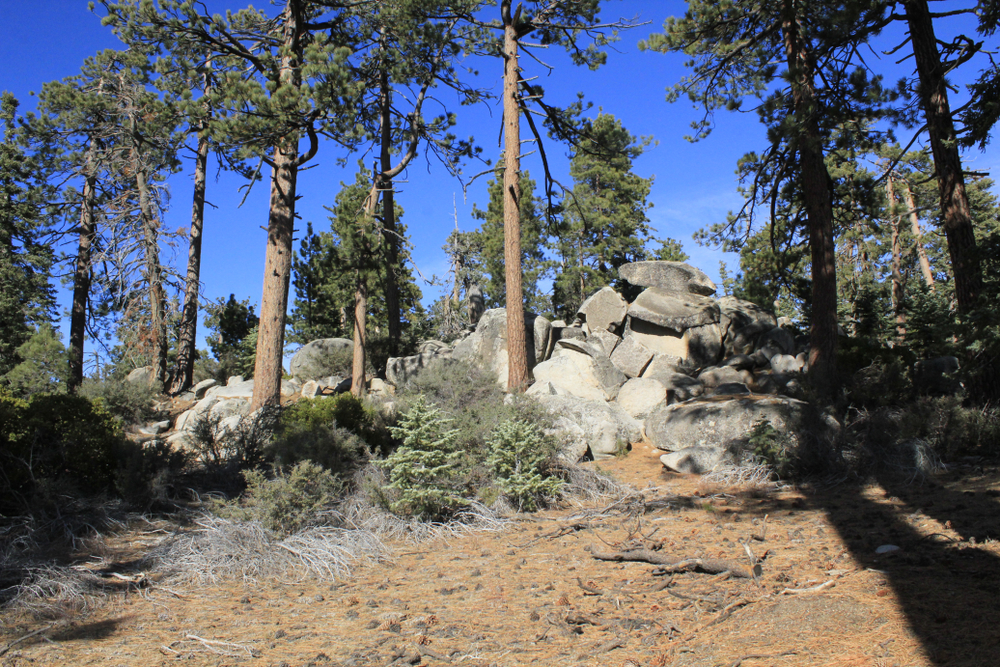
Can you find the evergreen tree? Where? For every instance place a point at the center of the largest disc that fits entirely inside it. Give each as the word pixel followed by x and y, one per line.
pixel 26 295
pixel 549 22
pixel 291 83
pixel 230 324
pixel 604 224
pixel 735 51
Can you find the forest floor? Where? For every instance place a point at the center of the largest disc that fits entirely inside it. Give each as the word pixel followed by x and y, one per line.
pixel 533 594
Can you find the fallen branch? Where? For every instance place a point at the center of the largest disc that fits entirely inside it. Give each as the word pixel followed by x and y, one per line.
pixel 589 590
pixel 210 644
pixel 707 565
pixel 27 636
pixel 812 589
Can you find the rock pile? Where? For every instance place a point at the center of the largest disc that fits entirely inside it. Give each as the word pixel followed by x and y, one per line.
pixel 685 368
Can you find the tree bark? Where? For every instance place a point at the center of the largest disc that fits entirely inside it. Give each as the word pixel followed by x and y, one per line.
pixel 280 227
pixel 360 358
pixel 82 275
pixel 154 279
pixel 187 338
pixel 955 211
pixel 517 357
pixel 918 238
pixel 277 272
pixel 816 189
pixel 897 274
pixel 389 221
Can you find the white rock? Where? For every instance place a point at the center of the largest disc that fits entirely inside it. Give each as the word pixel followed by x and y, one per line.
pixel 641 396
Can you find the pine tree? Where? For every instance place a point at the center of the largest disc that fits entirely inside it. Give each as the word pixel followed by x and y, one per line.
pixel 549 22
pixel 604 223
pixel 291 83
pixel 26 295
pixel 735 50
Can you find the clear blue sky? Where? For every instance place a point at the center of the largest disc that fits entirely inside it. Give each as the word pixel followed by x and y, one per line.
pixel 694 186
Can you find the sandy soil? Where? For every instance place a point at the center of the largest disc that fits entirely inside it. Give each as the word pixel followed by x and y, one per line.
pixel 534 593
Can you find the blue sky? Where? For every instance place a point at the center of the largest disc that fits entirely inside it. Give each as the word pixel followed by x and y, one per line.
pixel 694 186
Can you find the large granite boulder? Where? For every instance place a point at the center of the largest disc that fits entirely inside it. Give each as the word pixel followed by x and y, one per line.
pixel 399 370
pixel 321 358
pixel 673 276
pixel 674 310
pixel 595 426
pixel 604 339
pixel 719 375
pixel 696 460
pixel 776 341
pixel 240 388
pixel 724 422
pixel 487 346
pixel 144 376
pixel 641 396
pixel 605 309
pixel 704 345
pixel 586 376
pixel 742 324
pixel 631 357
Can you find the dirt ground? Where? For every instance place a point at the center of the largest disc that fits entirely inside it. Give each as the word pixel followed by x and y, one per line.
pixel 534 593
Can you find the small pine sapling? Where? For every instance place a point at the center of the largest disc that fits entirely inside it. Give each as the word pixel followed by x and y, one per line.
pixel 518 453
pixel 425 468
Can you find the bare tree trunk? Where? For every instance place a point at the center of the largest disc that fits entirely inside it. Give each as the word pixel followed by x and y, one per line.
pixel 955 210
pixel 277 272
pixel 897 275
pixel 389 221
pixel 82 275
pixel 154 278
pixel 918 238
pixel 280 227
pixel 360 358
pixel 818 198
pixel 187 337
pixel 517 354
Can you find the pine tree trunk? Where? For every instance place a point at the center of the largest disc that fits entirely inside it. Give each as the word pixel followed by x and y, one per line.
pixel 277 272
pixel 918 238
pixel 816 190
pixel 82 276
pixel 358 379
pixel 389 223
pixel 154 279
pixel 517 354
pixel 897 274
pixel 280 228
pixel 187 337
pixel 955 210
pixel 360 359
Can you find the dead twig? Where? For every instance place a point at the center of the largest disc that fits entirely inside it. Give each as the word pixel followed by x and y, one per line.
pixel 812 589
pixel 669 564
pixel 210 644
pixel 27 636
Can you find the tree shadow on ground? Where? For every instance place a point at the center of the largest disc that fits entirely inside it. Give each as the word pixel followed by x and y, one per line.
pixel 947 588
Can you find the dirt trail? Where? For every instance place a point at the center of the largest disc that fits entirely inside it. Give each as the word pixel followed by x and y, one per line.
pixel 533 594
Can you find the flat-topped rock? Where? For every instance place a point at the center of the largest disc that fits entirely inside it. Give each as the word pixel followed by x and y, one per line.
pixel 672 276
pixel 674 310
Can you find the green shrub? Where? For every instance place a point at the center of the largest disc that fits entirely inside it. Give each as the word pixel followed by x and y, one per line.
pixel 42 368
pixel 339 433
pixel 518 456
pixel 288 502
pixel 129 402
pixel 57 437
pixel 769 445
pixel 424 470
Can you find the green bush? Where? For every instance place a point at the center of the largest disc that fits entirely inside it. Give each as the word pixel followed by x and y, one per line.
pixel 518 457
pixel 288 502
pixel 424 470
pixel 129 402
pixel 769 445
pixel 339 433
pixel 57 437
